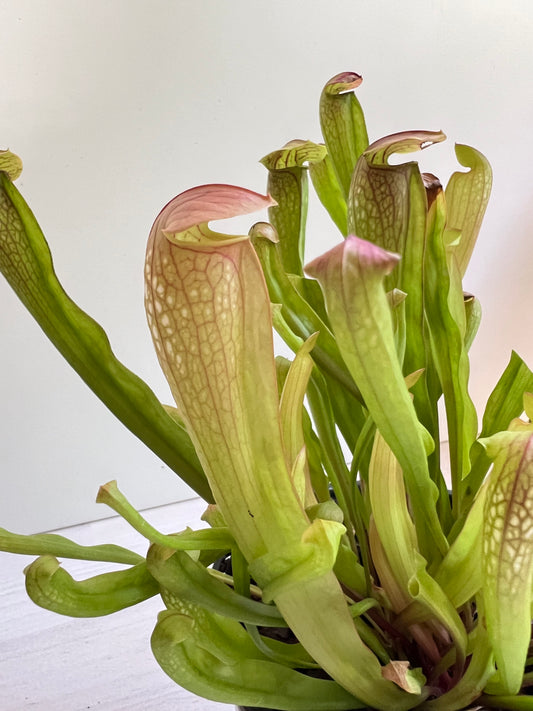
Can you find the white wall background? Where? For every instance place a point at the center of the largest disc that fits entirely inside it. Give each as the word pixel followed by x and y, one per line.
pixel 117 106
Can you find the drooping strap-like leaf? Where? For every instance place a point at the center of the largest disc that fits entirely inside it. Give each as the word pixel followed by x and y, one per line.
pixel 51 587
pixel 61 547
pixel 26 263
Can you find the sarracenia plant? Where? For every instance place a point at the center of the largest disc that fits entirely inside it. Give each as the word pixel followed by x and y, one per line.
pixel 401 588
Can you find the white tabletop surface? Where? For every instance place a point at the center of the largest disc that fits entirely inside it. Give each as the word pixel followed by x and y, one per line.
pixel 50 662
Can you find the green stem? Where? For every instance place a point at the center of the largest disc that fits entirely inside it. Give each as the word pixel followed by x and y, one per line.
pixel 60 547
pixel 208 539
pixel 336 468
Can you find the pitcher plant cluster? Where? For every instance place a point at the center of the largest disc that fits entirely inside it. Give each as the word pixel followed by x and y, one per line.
pixel 396 589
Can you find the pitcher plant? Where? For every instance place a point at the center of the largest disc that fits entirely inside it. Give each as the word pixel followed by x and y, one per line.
pixel 397 584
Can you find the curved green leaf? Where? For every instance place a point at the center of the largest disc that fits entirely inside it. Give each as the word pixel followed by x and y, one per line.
pixel 189 580
pixel 228 675
pixel 26 263
pixel 460 574
pixel 51 587
pixel 349 570
pixel 291 655
pixel 504 404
